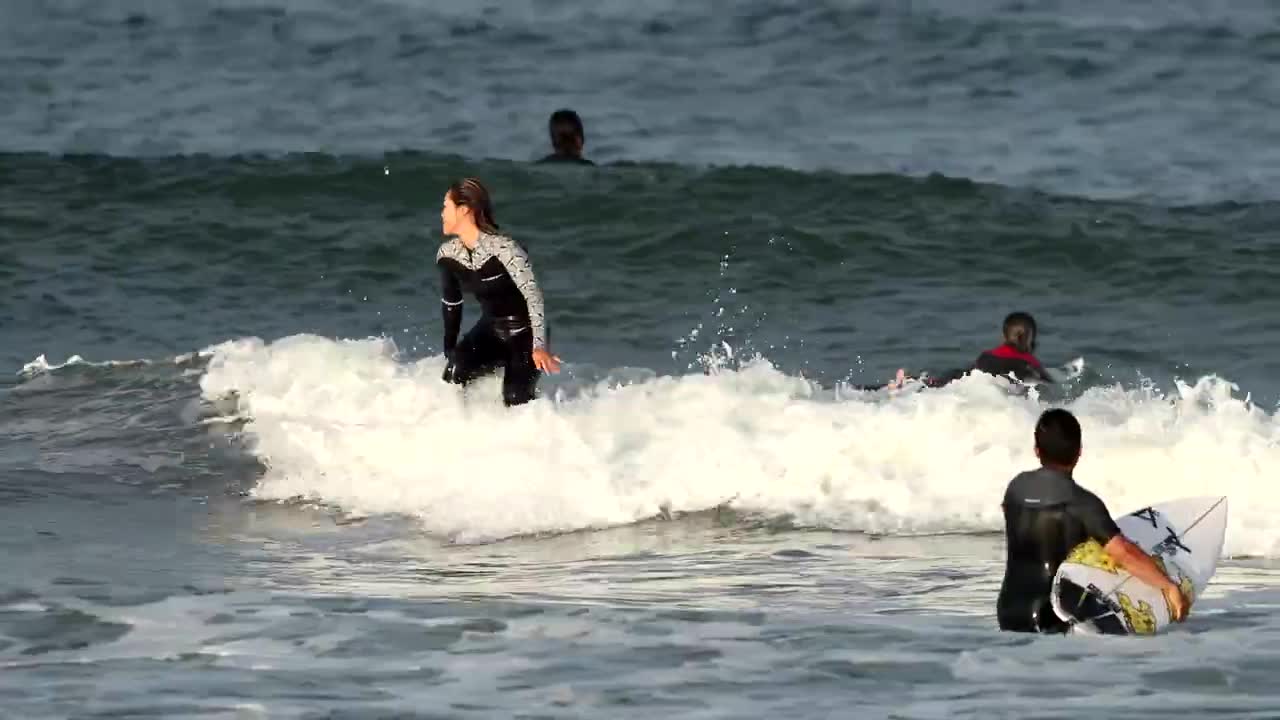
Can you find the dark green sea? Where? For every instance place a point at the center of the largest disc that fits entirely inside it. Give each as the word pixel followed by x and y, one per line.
pixel 232 484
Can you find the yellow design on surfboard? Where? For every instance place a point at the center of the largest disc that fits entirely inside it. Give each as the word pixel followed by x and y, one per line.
pixel 1091 554
pixel 1141 619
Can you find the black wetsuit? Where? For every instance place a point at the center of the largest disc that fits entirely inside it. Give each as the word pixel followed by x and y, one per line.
pixel 566 158
pixel 498 273
pixel 1046 514
pixel 1001 361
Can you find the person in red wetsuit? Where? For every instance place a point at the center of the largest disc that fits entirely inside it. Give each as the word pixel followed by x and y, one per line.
pixel 1015 356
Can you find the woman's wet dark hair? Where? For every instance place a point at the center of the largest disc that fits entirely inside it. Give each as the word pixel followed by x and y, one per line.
pixel 1020 332
pixel 1058 437
pixel 471 193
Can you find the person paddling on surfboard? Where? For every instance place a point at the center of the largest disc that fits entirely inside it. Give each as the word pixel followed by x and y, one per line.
pixel 1046 514
pixel 511 332
pixel 1015 355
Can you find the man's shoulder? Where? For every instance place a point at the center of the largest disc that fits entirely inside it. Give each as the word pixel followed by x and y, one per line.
pixel 557 158
pixel 1095 515
pixel 1087 496
pixel 1017 481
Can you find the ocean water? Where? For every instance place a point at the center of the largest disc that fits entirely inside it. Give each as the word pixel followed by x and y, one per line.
pixel 232 484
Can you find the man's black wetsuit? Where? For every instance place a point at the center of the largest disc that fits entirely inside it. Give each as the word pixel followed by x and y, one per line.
pixel 566 159
pixel 498 273
pixel 1046 514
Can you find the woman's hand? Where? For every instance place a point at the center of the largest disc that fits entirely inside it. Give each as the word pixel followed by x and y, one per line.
pixel 545 361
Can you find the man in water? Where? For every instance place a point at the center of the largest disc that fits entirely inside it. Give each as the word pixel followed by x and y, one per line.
pixel 1046 514
pixel 567 138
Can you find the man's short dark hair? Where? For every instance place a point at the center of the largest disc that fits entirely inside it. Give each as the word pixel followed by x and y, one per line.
pixel 1058 437
pixel 566 130
pixel 567 118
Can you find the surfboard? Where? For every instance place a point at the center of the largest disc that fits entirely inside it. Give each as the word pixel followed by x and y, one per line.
pixel 1184 537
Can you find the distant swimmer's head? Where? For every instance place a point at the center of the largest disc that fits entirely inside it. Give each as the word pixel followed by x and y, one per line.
pixel 1058 439
pixel 467 205
pixel 1020 332
pixel 567 136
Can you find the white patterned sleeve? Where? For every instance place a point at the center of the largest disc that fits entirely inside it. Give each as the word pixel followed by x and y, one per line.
pixel 516 261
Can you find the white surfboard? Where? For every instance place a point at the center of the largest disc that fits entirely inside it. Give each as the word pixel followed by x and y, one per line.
pixel 1184 536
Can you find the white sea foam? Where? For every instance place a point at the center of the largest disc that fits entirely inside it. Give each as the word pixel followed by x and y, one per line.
pixel 42 366
pixel 345 422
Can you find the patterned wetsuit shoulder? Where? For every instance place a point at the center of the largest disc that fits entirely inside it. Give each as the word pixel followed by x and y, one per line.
pixel 516 261
pixel 452 249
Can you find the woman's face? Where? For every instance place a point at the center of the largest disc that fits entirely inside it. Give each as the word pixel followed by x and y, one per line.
pixel 451 216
